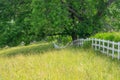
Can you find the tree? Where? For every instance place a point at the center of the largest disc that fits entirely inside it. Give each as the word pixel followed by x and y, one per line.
pixel 113 17
pixel 77 18
pixel 14 21
pixel 37 19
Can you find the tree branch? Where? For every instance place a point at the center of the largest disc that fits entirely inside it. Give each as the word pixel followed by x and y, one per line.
pixel 103 7
pixel 72 11
pixel 110 2
pixel 54 34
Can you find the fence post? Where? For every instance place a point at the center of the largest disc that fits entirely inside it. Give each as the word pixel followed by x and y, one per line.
pixel 112 50
pixel 92 43
pixel 79 42
pixel 82 41
pixel 103 46
pixel 118 50
pixel 108 48
pixel 99 44
pixel 95 44
pixel 88 39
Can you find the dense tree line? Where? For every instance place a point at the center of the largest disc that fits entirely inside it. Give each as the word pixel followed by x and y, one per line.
pixel 28 20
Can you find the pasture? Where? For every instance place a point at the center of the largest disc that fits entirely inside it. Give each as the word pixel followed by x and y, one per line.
pixel 43 62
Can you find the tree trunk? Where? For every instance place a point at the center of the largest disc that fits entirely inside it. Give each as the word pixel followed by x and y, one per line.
pixel 74 36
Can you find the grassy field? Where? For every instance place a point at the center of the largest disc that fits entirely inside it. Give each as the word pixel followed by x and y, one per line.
pixel 42 62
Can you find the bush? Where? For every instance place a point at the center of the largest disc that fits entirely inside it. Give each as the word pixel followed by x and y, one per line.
pixel 59 39
pixel 112 36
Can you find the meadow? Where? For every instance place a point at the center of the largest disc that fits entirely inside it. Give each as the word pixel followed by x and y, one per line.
pixel 43 62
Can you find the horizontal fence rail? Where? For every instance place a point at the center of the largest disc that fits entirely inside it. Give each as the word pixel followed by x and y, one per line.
pixel 107 47
pixel 80 42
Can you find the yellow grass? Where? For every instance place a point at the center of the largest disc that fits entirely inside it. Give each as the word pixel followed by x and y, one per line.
pixel 50 64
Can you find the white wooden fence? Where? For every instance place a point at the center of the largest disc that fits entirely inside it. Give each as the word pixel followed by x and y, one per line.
pixel 109 48
pixel 80 42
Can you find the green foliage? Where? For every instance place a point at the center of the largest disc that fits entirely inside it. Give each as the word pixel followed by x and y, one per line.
pixel 68 17
pixel 52 18
pixel 59 39
pixel 87 45
pixel 15 26
pixel 29 20
pixel 113 17
pixel 112 36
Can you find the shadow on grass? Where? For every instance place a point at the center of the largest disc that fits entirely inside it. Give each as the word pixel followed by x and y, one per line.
pixel 42 48
pixel 27 50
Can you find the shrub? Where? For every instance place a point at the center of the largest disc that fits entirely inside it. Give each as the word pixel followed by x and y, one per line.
pixel 112 36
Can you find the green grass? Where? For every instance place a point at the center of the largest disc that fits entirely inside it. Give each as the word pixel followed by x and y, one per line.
pixel 42 62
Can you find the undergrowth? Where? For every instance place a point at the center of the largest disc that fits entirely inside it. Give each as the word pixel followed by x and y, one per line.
pixel 112 36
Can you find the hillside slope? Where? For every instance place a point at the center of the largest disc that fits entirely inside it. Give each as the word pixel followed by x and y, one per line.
pixel 42 62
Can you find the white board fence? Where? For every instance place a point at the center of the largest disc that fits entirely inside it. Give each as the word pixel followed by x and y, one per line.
pixel 107 47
